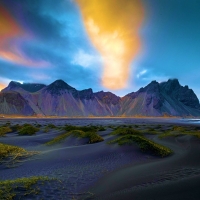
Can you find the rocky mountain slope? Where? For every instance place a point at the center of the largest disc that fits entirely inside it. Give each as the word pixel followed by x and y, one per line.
pixel 60 99
pixel 12 103
pixel 158 99
pixel 29 87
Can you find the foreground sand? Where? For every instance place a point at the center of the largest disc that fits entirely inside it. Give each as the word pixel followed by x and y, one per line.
pixel 102 171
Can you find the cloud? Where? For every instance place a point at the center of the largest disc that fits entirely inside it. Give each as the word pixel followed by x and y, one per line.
pixel 115 33
pixel 40 77
pixel 2 86
pixel 159 78
pixel 3 82
pixel 10 40
pixel 141 73
pixel 50 35
pixel 84 59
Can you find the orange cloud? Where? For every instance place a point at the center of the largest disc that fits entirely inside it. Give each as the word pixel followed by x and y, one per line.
pixel 9 32
pixel 16 58
pixel 2 86
pixel 8 26
pixel 113 27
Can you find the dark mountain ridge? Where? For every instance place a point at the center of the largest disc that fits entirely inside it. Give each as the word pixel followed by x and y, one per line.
pixel 60 99
pixel 29 87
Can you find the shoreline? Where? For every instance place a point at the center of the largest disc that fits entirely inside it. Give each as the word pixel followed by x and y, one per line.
pixel 60 117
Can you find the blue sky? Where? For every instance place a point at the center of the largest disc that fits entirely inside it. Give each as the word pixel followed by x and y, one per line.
pixel 47 40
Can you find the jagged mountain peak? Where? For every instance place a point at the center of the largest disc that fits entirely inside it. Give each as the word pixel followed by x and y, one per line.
pixel 14 84
pixel 29 87
pixel 152 87
pixel 170 85
pixel 57 86
pixel 154 82
pixel 88 90
pixel 86 94
pixel 107 97
pixel 173 81
pixel 106 93
pixel 183 94
pixel 60 84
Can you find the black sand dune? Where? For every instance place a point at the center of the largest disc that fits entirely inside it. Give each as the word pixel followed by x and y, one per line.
pixel 102 171
pixel 175 177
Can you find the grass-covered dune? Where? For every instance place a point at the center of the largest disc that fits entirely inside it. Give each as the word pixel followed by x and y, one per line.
pixel 28 129
pixel 10 155
pixel 4 130
pixel 10 150
pixel 79 132
pixel 131 136
pixel 91 128
pixel 104 170
pixel 25 129
pixel 177 131
pixel 21 188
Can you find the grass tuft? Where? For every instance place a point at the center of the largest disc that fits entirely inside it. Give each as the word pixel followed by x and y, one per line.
pixel 21 187
pixel 145 144
pixel 178 128
pixel 58 139
pixel 28 129
pixel 16 127
pixel 81 128
pixel 51 126
pixel 91 135
pixel 125 131
pixel 7 150
pixel 170 134
pixel 11 155
pixel 131 136
pixel 101 128
pixel 4 130
pixel 176 134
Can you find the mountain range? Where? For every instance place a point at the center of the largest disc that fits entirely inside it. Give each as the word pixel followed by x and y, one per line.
pixel 60 99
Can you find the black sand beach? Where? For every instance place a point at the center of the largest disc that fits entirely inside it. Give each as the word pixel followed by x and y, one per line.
pixel 102 171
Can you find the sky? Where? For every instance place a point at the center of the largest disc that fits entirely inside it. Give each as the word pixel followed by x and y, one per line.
pixel 109 45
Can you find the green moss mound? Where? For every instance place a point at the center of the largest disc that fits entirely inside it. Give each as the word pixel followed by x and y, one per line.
pixel 170 134
pixel 178 133
pixel 178 128
pixel 4 130
pixel 131 136
pixel 126 131
pixel 27 129
pixel 51 126
pixel 21 188
pixel 12 156
pixel 145 144
pixel 84 128
pixel 101 128
pixel 91 135
pixel 16 127
pixel 58 139
pixel 10 150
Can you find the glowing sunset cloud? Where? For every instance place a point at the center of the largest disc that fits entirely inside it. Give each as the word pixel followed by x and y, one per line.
pixel 113 27
pixel 8 26
pixel 10 32
pixel 2 86
pixel 19 58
